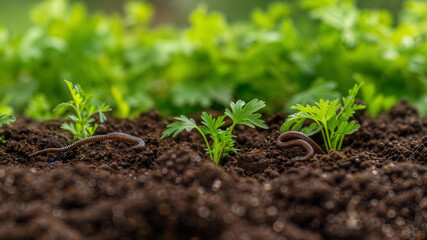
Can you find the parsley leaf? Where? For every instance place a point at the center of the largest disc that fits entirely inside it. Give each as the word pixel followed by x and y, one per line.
pixel 222 140
pixel 331 118
pixel 84 124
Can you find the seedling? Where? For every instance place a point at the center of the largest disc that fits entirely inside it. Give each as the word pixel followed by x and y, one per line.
pixel 222 140
pixel 331 118
pixel 84 124
pixel 4 120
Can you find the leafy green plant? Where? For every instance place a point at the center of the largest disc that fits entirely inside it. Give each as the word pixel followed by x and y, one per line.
pixel 84 124
pixel 319 89
pixel 376 101
pixel 123 108
pixel 39 108
pixel 331 118
pixel 276 55
pixel 5 107
pixel 5 119
pixel 222 140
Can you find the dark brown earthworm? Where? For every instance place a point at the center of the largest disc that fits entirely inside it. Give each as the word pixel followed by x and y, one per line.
pixel 111 136
pixel 293 138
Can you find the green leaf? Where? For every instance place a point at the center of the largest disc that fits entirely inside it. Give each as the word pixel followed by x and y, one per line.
pixel 225 141
pixel 91 130
pixel 103 108
pixel 294 122
pixel 62 106
pixel 75 93
pixel 73 117
pixel 175 128
pixel 69 127
pixel 347 128
pixel 311 129
pixel 211 124
pixel 242 113
pixel 6 119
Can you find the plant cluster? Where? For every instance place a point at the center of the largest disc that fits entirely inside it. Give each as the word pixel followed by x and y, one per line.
pixel 5 119
pixel 276 54
pixel 84 124
pixel 222 140
pixel 331 118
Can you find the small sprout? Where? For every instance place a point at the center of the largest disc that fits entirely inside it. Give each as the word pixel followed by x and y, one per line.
pixel 4 120
pixel 331 118
pixel 222 140
pixel 84 124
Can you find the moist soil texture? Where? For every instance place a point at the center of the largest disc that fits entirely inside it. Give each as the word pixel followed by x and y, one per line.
pixel 374 188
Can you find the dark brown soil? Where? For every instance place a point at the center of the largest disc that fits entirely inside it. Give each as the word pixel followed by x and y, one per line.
pixel 373 189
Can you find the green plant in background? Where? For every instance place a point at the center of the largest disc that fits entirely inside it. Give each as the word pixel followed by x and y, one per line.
pixel 330 117
pixel 222 140
pixel 84 124
pixel 319 89
pixel 376 101
pixel 5 119
pixel 40 108
pixel 123 108
pixel 276 55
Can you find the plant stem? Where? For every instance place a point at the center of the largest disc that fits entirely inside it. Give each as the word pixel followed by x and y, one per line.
pixel 230 130
pixel 206 141
pixel 340 142
pixel 323 134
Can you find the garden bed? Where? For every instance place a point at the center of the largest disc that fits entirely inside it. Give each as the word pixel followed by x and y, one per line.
pixel 373 189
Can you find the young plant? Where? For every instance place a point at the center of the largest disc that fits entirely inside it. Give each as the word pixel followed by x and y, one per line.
pixel 5 119
pixel 331 118
pixel 84 124
pixel 222 140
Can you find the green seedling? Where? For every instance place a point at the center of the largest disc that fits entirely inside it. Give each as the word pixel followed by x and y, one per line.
pixel 331 118
pixel 4 120
pixel 84 124
pixel 222 140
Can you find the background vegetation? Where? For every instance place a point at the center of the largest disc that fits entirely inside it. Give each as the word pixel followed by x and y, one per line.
pixel 285 53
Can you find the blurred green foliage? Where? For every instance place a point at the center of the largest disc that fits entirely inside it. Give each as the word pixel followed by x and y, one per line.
pixel 287 53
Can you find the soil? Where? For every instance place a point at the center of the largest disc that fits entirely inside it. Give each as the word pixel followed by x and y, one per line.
pixel 372 189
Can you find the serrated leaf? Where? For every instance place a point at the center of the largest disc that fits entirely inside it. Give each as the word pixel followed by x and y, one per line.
pixel 69 127
pixel 347 128
pixel 6 119
pixel 311 129
pixel 73 117
pixel 175 128
pixel 211 124
pixel 91 130
pixel 293 121
pixel 245 114
pixel 63 105
pixel 226 137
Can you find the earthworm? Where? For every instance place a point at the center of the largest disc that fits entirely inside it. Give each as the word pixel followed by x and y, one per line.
pixel 293 138
pixel 111 136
